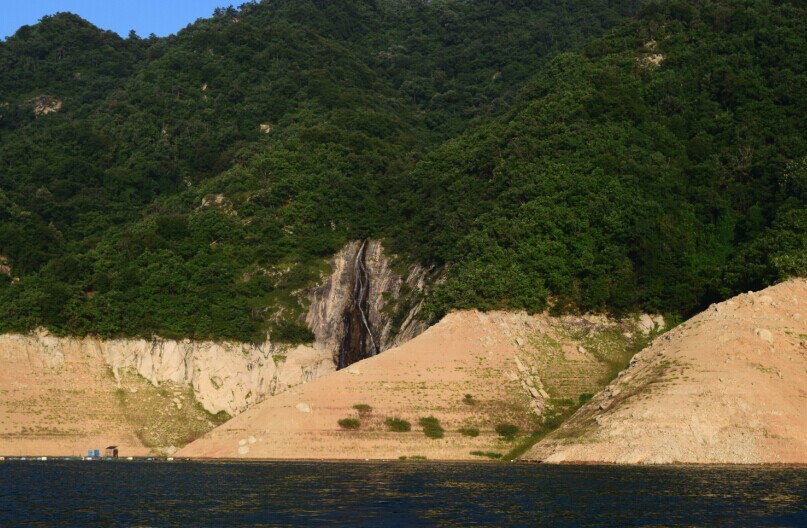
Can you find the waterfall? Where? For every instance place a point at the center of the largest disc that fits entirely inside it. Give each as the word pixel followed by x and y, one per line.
pixel 358 342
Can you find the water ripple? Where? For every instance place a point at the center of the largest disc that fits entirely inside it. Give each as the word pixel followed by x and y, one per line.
pixel 396 494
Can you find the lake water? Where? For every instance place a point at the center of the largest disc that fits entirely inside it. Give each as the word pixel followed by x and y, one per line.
pixel 395 494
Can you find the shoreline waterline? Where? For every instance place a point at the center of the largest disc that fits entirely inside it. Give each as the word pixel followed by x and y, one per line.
pixel 482 461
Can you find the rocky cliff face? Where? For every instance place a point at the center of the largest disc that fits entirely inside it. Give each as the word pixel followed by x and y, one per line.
pixel 225 377
pixel 145 385
pixel 364 283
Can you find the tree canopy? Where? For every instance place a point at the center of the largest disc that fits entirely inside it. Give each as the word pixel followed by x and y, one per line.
pixel 606 156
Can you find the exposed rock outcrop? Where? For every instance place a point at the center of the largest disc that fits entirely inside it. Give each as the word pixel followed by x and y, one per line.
pixel 651 57
pixel 5 266
pixel 224 376
pixel 45 104
pixel 393 301
pixel 220 376
pixel 727 386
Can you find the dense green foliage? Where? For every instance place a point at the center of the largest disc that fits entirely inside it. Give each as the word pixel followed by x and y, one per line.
pixel 464 133
pixel 621 183
pixel 111 215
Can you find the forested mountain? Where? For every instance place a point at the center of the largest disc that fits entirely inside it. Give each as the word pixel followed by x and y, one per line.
pixel 664 167
pixel 576 155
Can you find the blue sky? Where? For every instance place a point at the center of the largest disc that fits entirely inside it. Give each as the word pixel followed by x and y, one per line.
pixel 161 17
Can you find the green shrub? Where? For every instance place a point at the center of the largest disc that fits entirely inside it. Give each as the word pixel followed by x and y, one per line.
pixel 470 431
pixel 292 332
pixel 431 427
pixel 349 423
pixel 363 408
pixel 507 431
pixel 486 454
pixel 218 418
pixel 552 421
pixel 397 425
pixel 469 400
pixel 586 396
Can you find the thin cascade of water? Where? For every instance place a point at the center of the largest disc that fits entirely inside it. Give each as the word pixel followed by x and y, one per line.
pixel 356 318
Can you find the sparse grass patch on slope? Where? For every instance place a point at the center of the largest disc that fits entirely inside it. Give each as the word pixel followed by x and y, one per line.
pixel 165 416
pixel 469 431
pixel 487 454
pixel 551 421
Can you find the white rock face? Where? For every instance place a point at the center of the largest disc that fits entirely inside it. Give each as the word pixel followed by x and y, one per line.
pixel 228 376
pixel 45 104
pixel 651 323
pixel 764 334
pixel 224 376
pixel 328 301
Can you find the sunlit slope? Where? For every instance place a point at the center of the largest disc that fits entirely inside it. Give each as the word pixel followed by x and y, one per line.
pixel 59 397
pixel 474 373
pixel 728 386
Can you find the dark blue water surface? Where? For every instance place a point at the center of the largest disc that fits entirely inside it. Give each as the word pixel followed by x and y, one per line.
pixel 396 494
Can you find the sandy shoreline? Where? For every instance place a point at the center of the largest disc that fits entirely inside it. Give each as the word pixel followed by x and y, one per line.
pixel 248 461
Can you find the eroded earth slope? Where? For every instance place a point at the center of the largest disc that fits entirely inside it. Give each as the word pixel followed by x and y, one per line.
pixel 472 372
pixel 728 386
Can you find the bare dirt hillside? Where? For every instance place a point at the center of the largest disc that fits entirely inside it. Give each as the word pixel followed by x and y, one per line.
pixel 472 372
pixel 59 397
pixel 62 396
pixel 728 386
pixel 57 403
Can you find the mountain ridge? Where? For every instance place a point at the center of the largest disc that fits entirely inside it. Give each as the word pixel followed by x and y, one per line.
pixel 199 195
